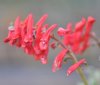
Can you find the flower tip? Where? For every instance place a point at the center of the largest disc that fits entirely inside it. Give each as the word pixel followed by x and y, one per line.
pixel 30 15
pixel 83 19
pixel 67 74
pixel 43 61
pixel 53 70
pixel 69 25
pixel 42 20
pixel 61 31
pixel 53 45
pixel 91 19
pixel 6 40
pixel 54 25
pixel 17 19
pixel 45 15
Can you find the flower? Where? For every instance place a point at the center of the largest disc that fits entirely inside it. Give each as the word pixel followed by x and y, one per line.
pixel 53 45
pixel 77 39
pixel 29 31
pixel 75 66
pixel 86 37
pixel 33 38
pixel 41 45
pixel 17 28
pixel 58 60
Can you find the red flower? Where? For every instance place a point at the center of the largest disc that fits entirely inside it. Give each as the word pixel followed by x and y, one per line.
pixel 78 35
pixel 75 66
pixel 9 37
pixel 58 60
pixel 61 31
pixel 53 45
pixel 44 41
pixel 35 39
pixel 41 45
pixel 29 31
pixel 78 39
pixel 42 20
pixel 17 31
pixel 89 25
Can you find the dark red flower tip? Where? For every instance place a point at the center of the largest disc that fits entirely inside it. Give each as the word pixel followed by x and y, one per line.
pixel 75 66
pixel 53 45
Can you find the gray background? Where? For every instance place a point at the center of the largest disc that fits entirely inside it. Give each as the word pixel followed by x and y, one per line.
pixel 18 68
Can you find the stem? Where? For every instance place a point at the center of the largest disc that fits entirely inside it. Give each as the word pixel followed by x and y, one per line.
pixel 94 37
pixel 79 68
pixel 72 55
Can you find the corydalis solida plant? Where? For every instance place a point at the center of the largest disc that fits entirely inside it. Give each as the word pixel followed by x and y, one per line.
pixel 35 40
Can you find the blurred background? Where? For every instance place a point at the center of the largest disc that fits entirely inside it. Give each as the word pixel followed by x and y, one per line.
pixel 18 68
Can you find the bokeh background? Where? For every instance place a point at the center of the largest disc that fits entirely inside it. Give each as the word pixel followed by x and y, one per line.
pixel 18 68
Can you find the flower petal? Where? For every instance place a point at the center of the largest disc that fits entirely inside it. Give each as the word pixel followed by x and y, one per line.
pixel 29 35
pixel 75 66
pixel 17 28
pixel 80 25
pixel 61 31
pixel 58 60
pixel 42 20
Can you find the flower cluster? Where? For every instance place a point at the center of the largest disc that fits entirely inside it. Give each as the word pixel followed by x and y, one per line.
pixel 34 39
pixel 78 38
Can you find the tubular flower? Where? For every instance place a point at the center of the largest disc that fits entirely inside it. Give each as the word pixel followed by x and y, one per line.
pixel 77 39
pixel 17 28
pixel 34 39
pixel 75 66
pixel 58 60
pixel 86 37
pixel 53 45
pixel 41 45
pixel 14 32
pixel 10 34
pixel 29 31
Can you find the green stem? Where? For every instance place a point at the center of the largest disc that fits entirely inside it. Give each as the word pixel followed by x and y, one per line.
pixel 79 68
pixel 74 60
